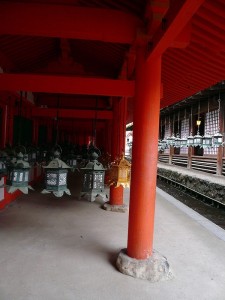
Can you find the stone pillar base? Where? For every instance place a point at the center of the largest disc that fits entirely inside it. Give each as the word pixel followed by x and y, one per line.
pixel 116 208
pixel 155 268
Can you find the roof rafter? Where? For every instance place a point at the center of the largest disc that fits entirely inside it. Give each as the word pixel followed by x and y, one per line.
pixel 67 22
pixel 178 18
pixel 66 85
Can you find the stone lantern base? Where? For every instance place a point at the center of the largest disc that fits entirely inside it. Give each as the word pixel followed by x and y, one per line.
pixel 155 268
pixel 116 208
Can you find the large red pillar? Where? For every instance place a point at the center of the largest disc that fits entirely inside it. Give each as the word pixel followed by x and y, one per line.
pixel 144 156
pixel 118 144
pixel 116 202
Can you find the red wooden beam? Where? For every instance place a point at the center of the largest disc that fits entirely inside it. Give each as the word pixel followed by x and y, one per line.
pixel 66 85
pixel 71 113
pixel 177 18
pixel 67 22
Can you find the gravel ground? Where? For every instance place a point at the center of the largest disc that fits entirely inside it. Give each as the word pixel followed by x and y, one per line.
pixel 216 215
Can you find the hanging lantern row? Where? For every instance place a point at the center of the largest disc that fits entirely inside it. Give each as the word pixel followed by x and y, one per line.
pixel 16 169
pixel 206 141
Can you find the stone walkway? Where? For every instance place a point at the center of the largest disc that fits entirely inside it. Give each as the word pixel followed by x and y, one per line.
pixel 65 249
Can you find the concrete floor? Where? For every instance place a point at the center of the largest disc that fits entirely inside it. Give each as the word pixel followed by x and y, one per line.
pixel 65 249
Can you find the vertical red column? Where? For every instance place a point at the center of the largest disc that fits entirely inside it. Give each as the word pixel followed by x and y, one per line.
pixel 118 147
pixel 144 157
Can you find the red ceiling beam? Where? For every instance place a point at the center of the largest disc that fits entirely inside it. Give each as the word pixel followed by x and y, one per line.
pixel 72 113
pixel 66 85
pixel 177 18
pixel 67 22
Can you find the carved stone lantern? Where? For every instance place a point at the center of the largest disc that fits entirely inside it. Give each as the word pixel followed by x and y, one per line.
pixel 56 177
pixel 18 175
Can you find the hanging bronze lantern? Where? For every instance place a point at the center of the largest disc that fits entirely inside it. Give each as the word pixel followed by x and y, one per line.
pixel 93 178
pixel 72 160
pixel 32 155
pixel 218 139
pixel 197 140
pixel 56 177
pixel 190 140
pixel 119 173
pixel 207 141
pixel 18 175
pixel 183 142
pixel 3 167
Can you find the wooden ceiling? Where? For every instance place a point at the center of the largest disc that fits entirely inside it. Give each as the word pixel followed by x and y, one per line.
pixel 96 40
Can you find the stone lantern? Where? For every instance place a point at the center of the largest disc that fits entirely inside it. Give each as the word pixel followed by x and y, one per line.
pixel 56 177
pixel 18 175
pixel 93 178
pixel 119 173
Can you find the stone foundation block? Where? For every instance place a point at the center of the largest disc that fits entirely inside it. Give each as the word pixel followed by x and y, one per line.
pixel 155 268
pixel 116 208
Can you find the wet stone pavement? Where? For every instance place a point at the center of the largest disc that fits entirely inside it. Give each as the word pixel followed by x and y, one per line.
pixel 214 214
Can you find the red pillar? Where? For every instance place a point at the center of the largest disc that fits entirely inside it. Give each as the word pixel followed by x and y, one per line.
pixel 144 156
pixel 118 144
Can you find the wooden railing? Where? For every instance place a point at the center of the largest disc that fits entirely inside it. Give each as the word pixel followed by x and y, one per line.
pixel 180 160
pixel 201 163
pixel 204 164
pixel 164 158
pixel 223 168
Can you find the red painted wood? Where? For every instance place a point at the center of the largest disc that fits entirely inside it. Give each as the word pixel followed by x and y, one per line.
pixel 144 157
pixel 66 85
pixel 67 22
pixel 116 195
pixel 180 16
pixel 72 113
